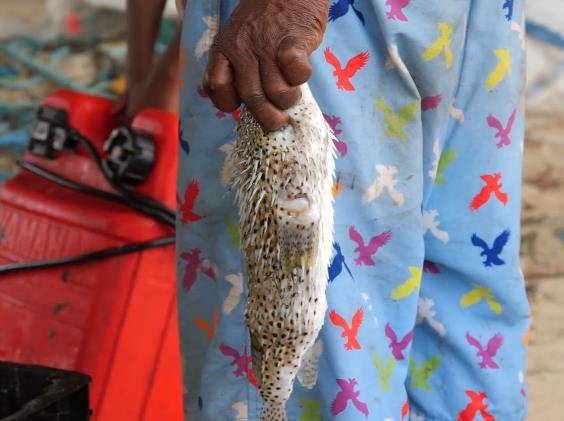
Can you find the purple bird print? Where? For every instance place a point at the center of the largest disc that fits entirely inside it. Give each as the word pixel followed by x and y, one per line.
pixel 396 9
pixel 240 361
pixel 492 254
pixel 346 394
pixel 193 263
pixel 183 143
pixel 489 353
pixel 508 4
pixel 335 121
pixel 336 266
pixel 202 92
pixel 365 252
pixel 502 132
pixel 397 347
pixel 341 8
pixel 430 267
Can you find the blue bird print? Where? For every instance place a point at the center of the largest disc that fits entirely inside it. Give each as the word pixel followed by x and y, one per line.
pixel 336 266
pixel 340 9
pixel 183 143
pixel 492 254
pixel 509 6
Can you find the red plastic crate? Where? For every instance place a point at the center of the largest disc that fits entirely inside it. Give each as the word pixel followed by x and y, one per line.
pixel 113 319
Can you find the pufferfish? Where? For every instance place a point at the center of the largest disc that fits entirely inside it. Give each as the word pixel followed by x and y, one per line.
pixel 283 184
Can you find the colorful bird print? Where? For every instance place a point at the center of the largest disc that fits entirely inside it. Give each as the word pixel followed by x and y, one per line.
pixel 396 9
pixel 405 409
pixel 346 394
pixel 430 267
pixel 234 296
pixel 349 332
pixel 508 5
pixel 193 263
pixel 493 186
pixel 455 112
pixel 426 313
pixel 430 223
pixel 209 328
pixel 396 347
pixel 501 70
pixel 385 181
pixel 334 122
pixel 527 335
pixel 341 8
pixel 184 145
pixel 201 91
pixel 487 355
pixel 241 362
pixel 476 405
pixel 236 115
pixel 345 75
pixel 206 41
pixel 384 372
pixel 336 189
pixel 420 375
pixel 492 254
pixel 415 416
pixel 242 410
pixel 394 60
pixel 307 374
pixel 519 28
pixel 311 410
pixel 366 251
pixel 187 206
pixel 447 158
pixel 431 102
pixel 441 44
pixel 395 122
pixel 436 158
pixel 232 231
pixel 227 169
pixel 502 132
pixel 337 264
pixel 477 294
pixel 412 284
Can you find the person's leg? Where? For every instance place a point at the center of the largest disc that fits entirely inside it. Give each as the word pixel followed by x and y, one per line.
pixel 473 311
pixel 364 345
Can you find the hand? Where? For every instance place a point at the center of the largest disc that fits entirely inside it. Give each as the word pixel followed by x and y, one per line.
pixel 261 55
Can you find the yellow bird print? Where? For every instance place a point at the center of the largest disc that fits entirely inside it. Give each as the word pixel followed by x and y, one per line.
pixel 409 286
pixel 502 69
pixel 396 122
pixel 478 294
pixel 442 43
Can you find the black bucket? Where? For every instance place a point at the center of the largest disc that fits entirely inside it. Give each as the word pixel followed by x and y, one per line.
pixel 34 393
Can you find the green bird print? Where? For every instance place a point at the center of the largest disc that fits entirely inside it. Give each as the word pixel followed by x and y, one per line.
pixel 384 372
pixel 232 231
pixel 311 410
pixel 395 122
pixel 420 375
pixel 447 158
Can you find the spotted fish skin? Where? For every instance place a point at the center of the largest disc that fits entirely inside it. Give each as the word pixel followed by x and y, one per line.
pixel 283 184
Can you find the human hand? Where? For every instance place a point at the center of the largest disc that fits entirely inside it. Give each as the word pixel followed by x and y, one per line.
pixel 261 55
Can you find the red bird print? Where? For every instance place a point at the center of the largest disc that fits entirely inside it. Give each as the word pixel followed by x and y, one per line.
pixel 344 75
pixel 210 328
pixel 493 186
pixel 187 206
pixel 430 102
pixel 235 114
pixel 351 332
pixel 365 252
pixel 193 263
pixel 476 405
pixel 242 362
pixel 405 409
pixel 502 132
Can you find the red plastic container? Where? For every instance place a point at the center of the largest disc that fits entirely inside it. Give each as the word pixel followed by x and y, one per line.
pixel 114 319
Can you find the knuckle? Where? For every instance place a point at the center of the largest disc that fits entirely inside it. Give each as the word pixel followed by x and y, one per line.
pixel 254 100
